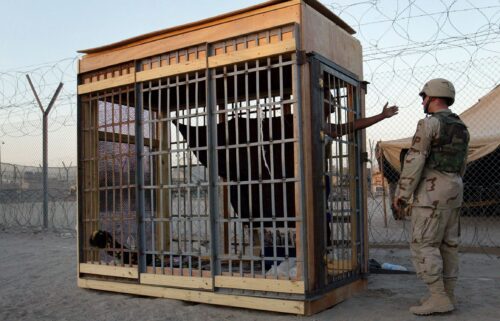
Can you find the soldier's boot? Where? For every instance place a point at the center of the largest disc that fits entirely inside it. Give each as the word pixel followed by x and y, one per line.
pixel 423 299
pixel 449 287
pixel 438 302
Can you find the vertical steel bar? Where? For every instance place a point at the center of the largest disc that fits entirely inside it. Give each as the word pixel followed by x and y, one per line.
pixel 249 176
pixel 129 157
pixel 151 125
pixel 139 147
pixel 212 167
pixel 227 218
pixel 81 195
pixel 114 184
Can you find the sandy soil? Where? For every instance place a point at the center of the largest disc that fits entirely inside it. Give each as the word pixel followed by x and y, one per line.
pixel 38 282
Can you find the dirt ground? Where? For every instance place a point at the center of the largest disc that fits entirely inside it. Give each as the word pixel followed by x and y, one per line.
pixel 38 282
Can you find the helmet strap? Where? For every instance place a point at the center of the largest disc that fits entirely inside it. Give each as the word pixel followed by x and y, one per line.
pixel 426 106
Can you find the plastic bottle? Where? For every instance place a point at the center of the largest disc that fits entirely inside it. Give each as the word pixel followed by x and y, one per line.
pixel 395 267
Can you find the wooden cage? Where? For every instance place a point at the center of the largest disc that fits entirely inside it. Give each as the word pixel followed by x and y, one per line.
pixel 204 174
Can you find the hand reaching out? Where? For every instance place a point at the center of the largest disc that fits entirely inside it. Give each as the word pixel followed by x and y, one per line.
pixel 388 112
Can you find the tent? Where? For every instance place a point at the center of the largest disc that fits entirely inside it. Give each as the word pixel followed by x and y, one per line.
pixel 482 178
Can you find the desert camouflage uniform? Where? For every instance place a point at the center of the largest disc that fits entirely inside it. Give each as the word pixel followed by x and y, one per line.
pixel 437 197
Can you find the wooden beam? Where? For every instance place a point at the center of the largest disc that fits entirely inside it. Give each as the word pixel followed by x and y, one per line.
pixel 107 83
pixel 125 139
pixel 335 297
pixel 308 185
pixel 336 267
pixel 252 53
pixel 179 271
pixel 258 284
pixel 170 70
pixel 177 281
pixel 255 21
pixel 109 270
pixel 285 46
pixel 267 304
pixel 323 36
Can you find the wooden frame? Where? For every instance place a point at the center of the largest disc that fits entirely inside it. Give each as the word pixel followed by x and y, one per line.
pixel 300 307
pixel 314 29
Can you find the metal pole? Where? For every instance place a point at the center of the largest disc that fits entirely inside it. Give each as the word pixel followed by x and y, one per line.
pixel 45 149
pixel 45 174
pixel 1 173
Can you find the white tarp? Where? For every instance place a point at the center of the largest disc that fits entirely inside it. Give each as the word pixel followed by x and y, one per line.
pixel 482 120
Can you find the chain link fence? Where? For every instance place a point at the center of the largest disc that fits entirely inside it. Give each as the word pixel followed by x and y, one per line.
pixel 21 197
pixel 21 192
pixel 478 98
pixel 404 45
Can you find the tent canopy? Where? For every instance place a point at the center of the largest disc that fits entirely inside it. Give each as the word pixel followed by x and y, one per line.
pixel 482 120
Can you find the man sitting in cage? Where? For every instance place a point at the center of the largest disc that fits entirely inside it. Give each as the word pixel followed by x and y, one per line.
pixel 260 150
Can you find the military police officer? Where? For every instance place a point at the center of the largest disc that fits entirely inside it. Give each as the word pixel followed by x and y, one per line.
pixel 431 180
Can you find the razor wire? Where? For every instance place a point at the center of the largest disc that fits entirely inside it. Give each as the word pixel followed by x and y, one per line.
pixel 405 43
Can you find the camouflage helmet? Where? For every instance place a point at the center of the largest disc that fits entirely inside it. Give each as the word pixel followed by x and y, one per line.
pixel 440 88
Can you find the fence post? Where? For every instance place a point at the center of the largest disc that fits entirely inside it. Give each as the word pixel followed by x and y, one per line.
pixel 45 148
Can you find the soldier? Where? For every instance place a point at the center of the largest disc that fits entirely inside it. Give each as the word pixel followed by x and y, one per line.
pixel 432 174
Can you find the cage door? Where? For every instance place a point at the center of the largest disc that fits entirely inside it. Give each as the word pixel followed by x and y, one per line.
pixel 338 98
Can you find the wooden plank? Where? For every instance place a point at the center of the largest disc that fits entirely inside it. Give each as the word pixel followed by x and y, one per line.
pixel 170 70
pixel 177 281
pixel 308 185
pixel 266 304
pixel 335 297
pixel 125 139
pixel 252 53
pixel 178 271
pixel 340 266
pixel 109 270
pixel 106 83
pixel 251 22
pixel 297 92
pixel 323 36
pixel 271 285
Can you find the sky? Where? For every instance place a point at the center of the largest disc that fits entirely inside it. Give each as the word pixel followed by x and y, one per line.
pixel 34 35
pixel 35 32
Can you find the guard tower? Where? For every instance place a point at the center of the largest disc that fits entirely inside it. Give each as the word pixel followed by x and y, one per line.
pixel 204 174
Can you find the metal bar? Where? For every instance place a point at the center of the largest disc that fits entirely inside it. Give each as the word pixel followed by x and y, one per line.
pixel 95 172
pixel 249 166
pixel 120 153
pixel 129 157
pixel 212 170
pixel 36 95
pixel 54 97
pixel 140 210
pixel 161 168
pixel 169 181
pixel 81 199
pixel 112 107
pixel 151 160
pixel 227 216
